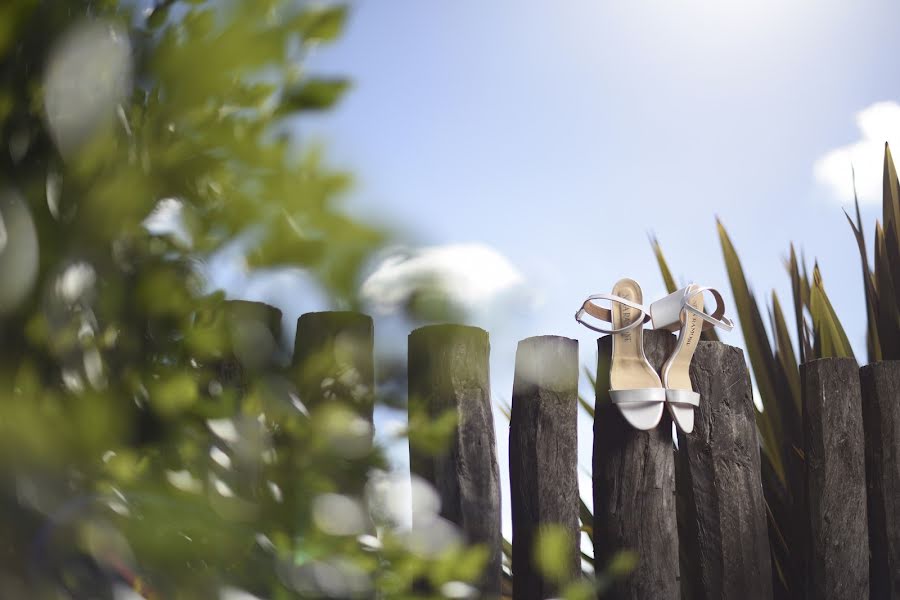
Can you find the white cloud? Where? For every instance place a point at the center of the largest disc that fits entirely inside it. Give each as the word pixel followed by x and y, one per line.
pixel 878 123
pixel 472 277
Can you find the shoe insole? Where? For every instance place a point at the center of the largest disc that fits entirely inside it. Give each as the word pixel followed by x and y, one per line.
pixel 629 369
pixel 677 370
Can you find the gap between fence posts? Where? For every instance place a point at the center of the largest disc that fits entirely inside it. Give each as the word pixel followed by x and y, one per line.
pixel 543 461
pixel 634 487
pixel 722 513
pixel 448 371
pixel 837 533
pixel 881 421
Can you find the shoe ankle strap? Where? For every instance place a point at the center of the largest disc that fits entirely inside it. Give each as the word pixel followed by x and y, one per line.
pixel 666 313
pixel 717 318
pixel 605 314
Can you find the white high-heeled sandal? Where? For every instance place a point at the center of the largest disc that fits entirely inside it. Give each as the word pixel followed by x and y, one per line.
pixel 682 311
pixel 635 387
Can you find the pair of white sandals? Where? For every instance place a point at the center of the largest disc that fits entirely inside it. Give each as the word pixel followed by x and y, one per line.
pixel 635 387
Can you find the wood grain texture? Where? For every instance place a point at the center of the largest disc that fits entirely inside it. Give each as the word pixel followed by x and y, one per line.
pixel 722 513
pixel 334 360
pixel 634 487
pixel 543 457
pixel 881 421
pixel 448 370
pixel 837 542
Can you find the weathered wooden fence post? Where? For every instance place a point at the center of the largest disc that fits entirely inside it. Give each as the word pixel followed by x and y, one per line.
pixel 722 517
pixel 254 332
pixel 634 487
pixel 837 542
pixel 543 458
pixel 881 421
pixel 448 370
pixel 333 369
pixel 333 358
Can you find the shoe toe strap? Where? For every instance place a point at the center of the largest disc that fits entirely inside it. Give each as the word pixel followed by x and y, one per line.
pixel 683 398
pixel 637 395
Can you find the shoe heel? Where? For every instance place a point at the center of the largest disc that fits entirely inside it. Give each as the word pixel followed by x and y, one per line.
pixel 665 313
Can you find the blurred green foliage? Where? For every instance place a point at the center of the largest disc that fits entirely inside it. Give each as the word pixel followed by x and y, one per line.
pixel 151 435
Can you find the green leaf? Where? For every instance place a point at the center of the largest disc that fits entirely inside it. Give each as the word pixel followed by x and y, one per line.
pixel 584 402
pixel 587 524
pixel 873 344
pixel 622 564
pixel 313 94
pixel 459 564
pixel 174 394
pixel 778 516
pixel 321 24
pixel 158 15
pixel 668 280
pixel 891 191
pixel 11 15
pixel 587 406
pixel 831 341
pixel 590 376
pixel 553 552
pixel 801 300
pixel 759 350
pixel 784 352
pixel 505 408
pixel 887 312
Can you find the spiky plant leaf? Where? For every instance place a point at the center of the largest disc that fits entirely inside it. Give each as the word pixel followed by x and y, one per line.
pixel 778 516
pixel 888 315
pixel 759 351
pixel 800 294
pixel 668 280
pixel 891 191
pixel 891 211
pixel 873 344
pixel 784 351
pixel 587 406
pixel 505 408
pixel 830 338
pixel 587 525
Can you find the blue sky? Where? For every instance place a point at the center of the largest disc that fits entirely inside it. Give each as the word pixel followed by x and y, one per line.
pixel 559 134
pixel 553 136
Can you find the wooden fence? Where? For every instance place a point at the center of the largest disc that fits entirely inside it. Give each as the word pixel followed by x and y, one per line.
pixel 694 513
